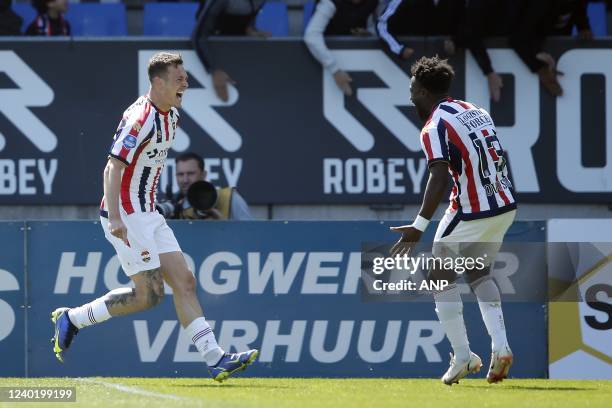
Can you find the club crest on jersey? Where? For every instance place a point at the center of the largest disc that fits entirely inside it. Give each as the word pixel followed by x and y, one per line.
pixel 129 142
pixel 146 257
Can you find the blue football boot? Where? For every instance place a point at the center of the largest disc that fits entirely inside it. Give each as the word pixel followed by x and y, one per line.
pixel 232 362
pixel 64 332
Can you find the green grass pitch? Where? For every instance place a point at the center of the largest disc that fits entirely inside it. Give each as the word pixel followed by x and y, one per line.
pixel 321 392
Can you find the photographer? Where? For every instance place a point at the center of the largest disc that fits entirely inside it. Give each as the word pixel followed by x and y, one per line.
pixel 198 199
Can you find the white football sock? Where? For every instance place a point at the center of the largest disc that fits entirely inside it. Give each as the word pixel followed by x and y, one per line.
pixel 489 301
pixel 204 339
pixel 450 313
pixel 90 313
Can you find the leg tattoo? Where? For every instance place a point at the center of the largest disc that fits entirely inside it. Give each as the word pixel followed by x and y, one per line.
pixel 149 291
pixel 120 298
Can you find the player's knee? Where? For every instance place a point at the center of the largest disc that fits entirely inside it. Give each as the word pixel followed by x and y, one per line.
pixel 152 298
pixel 150 295
pixel 186 285
pixel 442 274
pixel 475 277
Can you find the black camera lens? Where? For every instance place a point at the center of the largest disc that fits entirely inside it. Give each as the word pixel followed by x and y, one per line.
pixel 202 195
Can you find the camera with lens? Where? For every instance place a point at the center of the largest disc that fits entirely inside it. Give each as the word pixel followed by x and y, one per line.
pixel 166 208
pixel 202 197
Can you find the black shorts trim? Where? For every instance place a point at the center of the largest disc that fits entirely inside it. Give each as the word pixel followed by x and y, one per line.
pixel 433 161
pixel 451 225
pixel 488 213
pixel 121 159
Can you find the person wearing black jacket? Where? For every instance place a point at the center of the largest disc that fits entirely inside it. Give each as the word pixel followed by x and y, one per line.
pixel 479 19
pixel 418 18
pixel 572 13
pixel 223 17
pixel 539 19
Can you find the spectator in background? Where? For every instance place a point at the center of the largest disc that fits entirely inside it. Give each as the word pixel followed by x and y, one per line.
pixel 573 13
pixel 50 20
pixel 224 17
pixel 229 206
pixel 337 17
pixel 10 22
pixel 539 19
pixel 479 19
pixel 418 18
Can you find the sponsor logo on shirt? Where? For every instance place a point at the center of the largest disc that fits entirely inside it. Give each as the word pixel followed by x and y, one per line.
pixel 129 142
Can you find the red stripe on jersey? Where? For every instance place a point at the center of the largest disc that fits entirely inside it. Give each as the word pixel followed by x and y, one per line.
pixel 453 198
pixel 102 203
pixel 166 127
pixel 501 191
pixel 126 180
pixel 455 192
pixel 137 126
pixel 463 104
pixel 493 154
pixel 124 153
pixel 141 119
pixel 154 187
pixel 145 113
pixel 473 196
pixel 427 144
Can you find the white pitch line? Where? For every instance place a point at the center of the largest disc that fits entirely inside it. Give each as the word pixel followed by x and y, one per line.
pixel 132 390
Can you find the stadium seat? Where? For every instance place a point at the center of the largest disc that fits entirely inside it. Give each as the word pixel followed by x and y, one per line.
pixel 91 19
pixel 597 19
pixel 26 12
pixel 273 17
pixel 169 19
pixel 309 8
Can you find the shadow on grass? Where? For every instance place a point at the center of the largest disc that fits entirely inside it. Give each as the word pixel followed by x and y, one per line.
pixel 528 387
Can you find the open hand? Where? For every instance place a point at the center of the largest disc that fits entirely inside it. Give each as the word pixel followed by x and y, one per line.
pixel 118 229
pixel 221 80
pixel 343 80
pixel 495 85
pixel 410 236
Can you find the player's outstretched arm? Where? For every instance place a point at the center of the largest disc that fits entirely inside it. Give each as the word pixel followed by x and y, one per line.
pixel 112 183
pixel 435 189
pixel 434 192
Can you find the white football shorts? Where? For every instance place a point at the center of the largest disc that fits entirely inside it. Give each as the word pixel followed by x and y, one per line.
pixel 471 238
pixel 148 236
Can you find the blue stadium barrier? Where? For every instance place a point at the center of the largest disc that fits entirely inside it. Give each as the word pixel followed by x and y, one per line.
pixel 12 299
pixel 169 19
pixel 309 9
pixel 273 17
pixel 97 19
pixel 26 12
pixel 290 288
